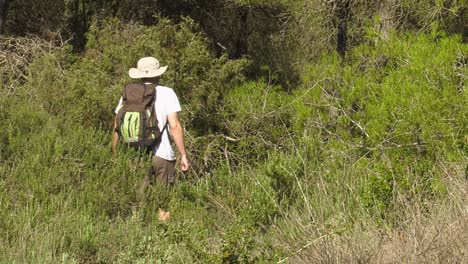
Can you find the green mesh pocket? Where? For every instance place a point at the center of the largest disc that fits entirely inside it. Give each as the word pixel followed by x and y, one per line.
pixel 130 127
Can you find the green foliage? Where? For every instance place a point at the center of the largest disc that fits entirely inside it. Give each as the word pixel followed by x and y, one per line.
pixel 90 86
pixel 21 121
pixel 361 141
pixel 449 16
pixel 399 104
pixel 285 173
pixel 35 17
pixel 254 119
pixel 258 114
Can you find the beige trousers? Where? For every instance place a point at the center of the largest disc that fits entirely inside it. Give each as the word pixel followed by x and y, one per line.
pixel 164 170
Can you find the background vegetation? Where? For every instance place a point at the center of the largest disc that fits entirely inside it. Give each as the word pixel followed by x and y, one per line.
pixel 318 131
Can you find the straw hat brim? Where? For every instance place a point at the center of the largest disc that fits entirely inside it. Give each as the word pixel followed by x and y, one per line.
pixel 135 73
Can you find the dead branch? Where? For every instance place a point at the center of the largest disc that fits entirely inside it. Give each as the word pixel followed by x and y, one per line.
pixel 17 53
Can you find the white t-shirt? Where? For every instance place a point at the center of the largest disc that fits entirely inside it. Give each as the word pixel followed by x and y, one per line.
pixel 166 103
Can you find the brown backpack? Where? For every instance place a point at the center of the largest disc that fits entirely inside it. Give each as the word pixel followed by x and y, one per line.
pixel 137 123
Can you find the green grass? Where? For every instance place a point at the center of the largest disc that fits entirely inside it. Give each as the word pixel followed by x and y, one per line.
pixel 360 164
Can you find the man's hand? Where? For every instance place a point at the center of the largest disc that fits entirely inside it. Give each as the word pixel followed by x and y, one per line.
pixel 184 164
pixel 178 135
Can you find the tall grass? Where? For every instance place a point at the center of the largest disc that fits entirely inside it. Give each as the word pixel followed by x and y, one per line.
pixel 364 163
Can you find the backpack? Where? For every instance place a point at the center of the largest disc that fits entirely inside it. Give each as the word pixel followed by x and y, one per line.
pixel 137 124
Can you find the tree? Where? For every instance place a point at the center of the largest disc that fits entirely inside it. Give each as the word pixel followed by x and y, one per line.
pixel 3 14
pixel 33 17
pixel 343 14
pixel 78 24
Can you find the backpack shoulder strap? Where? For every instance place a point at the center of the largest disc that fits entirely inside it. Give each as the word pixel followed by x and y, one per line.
pixel 153 105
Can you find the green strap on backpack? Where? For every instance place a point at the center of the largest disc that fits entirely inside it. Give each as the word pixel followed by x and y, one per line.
pixel 137 124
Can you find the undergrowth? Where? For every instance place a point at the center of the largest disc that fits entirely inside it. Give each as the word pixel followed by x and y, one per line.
pixel 362 152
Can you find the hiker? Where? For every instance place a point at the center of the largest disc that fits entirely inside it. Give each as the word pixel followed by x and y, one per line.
pixel 166 107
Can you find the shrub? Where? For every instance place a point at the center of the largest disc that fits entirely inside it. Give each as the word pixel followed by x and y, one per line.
pixel 399 104
pixel 89 86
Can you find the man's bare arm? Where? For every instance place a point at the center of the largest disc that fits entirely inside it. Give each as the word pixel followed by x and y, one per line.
pixel 115 137
pixel 178 135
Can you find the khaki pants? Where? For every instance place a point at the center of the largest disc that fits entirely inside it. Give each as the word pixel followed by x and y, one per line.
pixel 164 170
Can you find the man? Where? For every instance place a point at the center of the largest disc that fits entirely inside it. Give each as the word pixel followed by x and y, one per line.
pixel 167 106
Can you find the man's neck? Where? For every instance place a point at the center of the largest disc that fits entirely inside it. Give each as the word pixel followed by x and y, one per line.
pixel 154 80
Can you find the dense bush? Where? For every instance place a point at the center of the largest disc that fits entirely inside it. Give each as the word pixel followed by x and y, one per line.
pixel 399 104
pixel 89 86
pixel 365 142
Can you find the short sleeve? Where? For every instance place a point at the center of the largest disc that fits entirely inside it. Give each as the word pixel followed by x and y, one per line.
pixel 173 104
pixel 119 106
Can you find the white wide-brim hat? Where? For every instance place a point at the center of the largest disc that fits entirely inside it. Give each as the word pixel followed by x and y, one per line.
pixel 146 68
